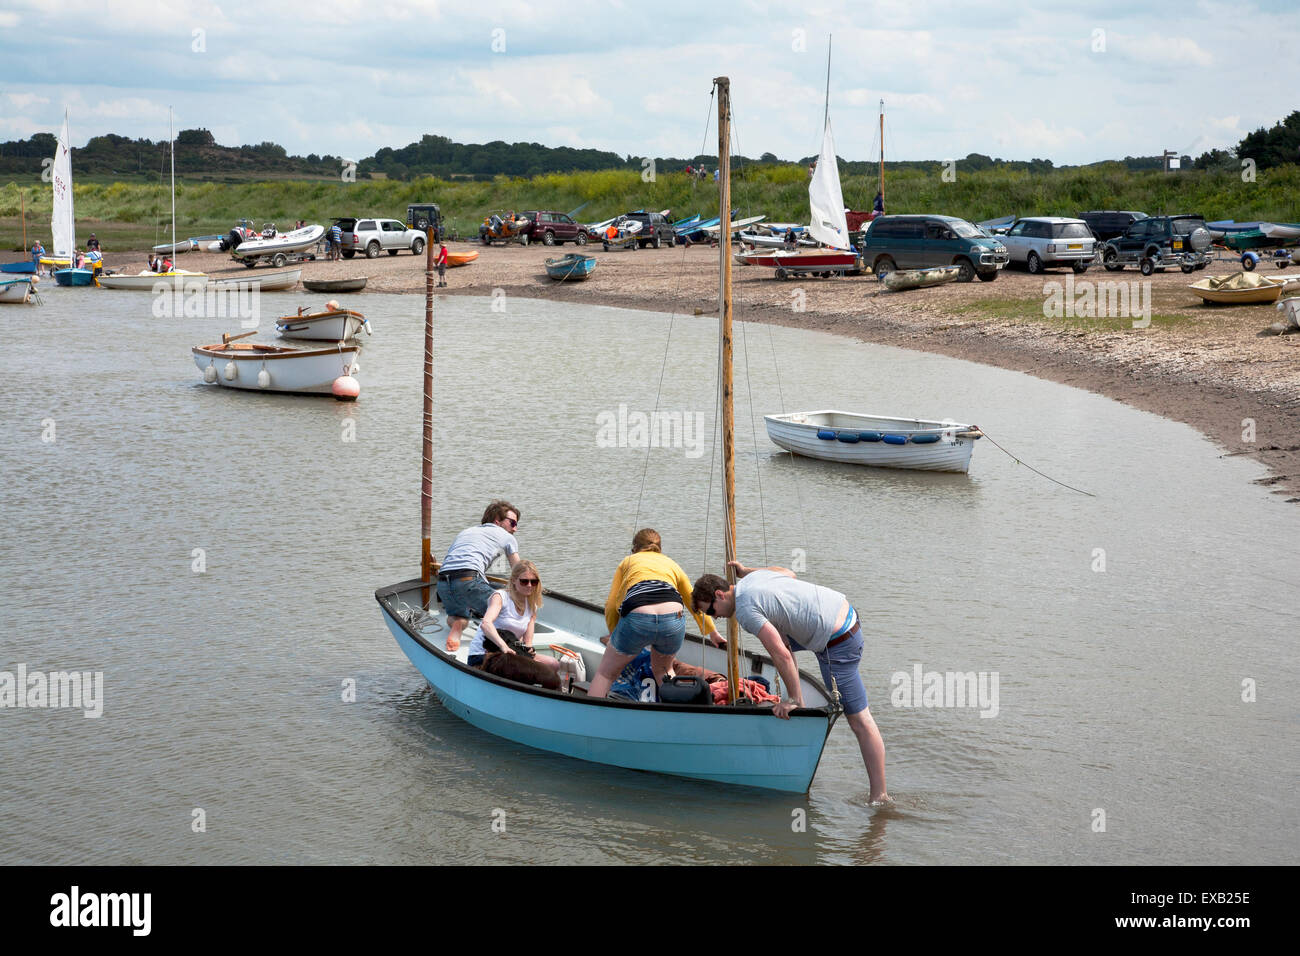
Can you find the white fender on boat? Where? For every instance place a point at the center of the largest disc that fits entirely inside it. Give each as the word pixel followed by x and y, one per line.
pixel 210 374
pixel 366 325
pixel 346 388
pixel 263 379
pixel 231 371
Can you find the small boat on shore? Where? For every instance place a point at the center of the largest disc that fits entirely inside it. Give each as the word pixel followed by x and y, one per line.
pixel 825 262
pixel 1281 231
pixel 18 289
pixel 455 259
pixel 18 268
pixel 876 440
pixel 74 277
pixel 335 285
pixel 1241 288
pixel 332 325
pixel 901 280
pixel 273 368
pixel 573 267
pixel 175 248
pixel 277 248
pixel 266 282
pixel 177 279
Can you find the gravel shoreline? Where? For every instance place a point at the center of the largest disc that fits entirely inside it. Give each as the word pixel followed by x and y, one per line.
pixel 1209 367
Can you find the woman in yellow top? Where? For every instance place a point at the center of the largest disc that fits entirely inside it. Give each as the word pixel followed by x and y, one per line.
pixel 647 608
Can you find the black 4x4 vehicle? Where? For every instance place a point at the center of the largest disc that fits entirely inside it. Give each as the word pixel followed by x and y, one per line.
pixel 422 215
pixel 1110 223
pixel 1158 243
pixel 655 229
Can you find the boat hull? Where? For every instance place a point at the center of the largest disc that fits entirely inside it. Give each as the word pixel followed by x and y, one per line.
pixel 19 268
pixel 338 326
pixel 298 240
pixel 571 267
pixel 738 746
pixel 335 285
pixel 805 433
pixel 267 282
pixel 797 263
pixel 297 371
pixel 15 291
pixel 902 280
pixel 71 277
pixel 455 259
pixel 162 282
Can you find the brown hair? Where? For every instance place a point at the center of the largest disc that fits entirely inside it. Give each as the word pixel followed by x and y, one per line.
pixel 498 510
pixel 647 539
pixel 535 599
pixel 705 587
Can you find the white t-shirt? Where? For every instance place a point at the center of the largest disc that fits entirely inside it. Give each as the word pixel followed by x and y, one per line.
pixel 509 619
pixel 800 610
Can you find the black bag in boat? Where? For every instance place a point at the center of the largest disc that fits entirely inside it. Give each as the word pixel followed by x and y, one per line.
pixel 685 690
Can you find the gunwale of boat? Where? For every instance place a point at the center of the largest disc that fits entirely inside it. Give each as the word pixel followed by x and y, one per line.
pixel 317 316
pixel 385 595
pixel 831 418
pixel 258 351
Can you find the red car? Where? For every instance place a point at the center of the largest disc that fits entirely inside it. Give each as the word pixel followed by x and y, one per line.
pixel 553 228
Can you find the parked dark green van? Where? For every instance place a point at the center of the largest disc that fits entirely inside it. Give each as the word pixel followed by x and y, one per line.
pixel 922 242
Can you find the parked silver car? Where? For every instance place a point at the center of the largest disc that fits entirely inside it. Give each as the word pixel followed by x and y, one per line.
pixel 1041 241
pixel 373 236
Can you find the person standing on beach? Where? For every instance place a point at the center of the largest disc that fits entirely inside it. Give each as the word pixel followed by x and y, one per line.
pixel 38 251
pixel 441 262
pixel 335 243
pixel 92 244
pixel 462 577
pixel 789 615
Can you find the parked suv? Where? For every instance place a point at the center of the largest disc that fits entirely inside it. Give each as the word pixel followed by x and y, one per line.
pixel 1042 241
pixel 655 229
pixel 1109 223
pixel 553 228
pixel 921 242
pixel 1158 242
pixel 373 236
pixel 423 215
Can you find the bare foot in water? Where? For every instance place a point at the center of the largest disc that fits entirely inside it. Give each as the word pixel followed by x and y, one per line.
pixel 884 800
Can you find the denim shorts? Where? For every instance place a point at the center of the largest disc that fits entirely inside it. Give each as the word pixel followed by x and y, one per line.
pixel 661 632
pixel 465 596
pixel 842 662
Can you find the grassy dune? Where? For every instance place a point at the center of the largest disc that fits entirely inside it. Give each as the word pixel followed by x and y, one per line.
pixel 136 215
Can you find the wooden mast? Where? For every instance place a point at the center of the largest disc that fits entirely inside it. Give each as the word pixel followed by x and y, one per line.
pixel 728 390
pixel 882 156
pixel 426 474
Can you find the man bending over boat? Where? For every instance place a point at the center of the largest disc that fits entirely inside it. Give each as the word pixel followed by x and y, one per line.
pixel 646 607
pixel 462 577
pixel 789 615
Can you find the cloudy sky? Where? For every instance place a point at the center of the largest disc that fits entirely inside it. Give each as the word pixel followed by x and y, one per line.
pixel 1073 83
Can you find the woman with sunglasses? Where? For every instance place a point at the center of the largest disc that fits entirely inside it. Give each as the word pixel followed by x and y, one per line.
pixel 511 614
pixel 462 577
pixel 646 607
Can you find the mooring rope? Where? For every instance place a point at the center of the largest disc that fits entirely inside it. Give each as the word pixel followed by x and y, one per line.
pixel 1019 461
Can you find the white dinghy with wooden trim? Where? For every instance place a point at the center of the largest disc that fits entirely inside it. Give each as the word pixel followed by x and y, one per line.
pixel 266 282
pixel 274 368
pixel 876 440
pixel 178 280
pixel 331 325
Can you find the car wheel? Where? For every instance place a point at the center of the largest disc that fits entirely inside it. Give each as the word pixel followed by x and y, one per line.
pixel 1147 266
pixel 417 246
pixel 280 260
pixel 581 239
pixel 1079 268
pixel 1034 264
pixel 1110 261
pixel 1188 269
pixel 988 276
pixel 523 238
pixel 781 274
pixel 884 265
pixel 967 273
pixel 373 250
pixel 548 238
pixel 658 242
pixel 349 253
pixel 1248 263
pixel 606 245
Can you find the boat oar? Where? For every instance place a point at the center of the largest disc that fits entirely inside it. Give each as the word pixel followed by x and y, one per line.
pixel 227 338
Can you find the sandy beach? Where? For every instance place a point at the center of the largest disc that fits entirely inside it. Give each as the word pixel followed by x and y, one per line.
pixel 1213 368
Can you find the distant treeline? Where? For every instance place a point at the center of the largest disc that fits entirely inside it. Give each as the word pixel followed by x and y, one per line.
pixel 198 156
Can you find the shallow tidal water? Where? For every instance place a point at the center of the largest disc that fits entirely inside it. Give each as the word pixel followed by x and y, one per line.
pixel 215 554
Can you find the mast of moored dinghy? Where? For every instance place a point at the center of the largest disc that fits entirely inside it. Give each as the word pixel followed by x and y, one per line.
pixel 172 143
pixel 426 474
pixel 728 410
pixel 882 154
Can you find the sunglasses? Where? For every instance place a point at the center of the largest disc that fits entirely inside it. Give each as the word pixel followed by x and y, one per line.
pixel 709 609
pixel 513 522
pixel 529 581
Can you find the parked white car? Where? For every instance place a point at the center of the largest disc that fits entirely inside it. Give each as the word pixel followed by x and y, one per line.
pixel 1041 241
pixel 373 236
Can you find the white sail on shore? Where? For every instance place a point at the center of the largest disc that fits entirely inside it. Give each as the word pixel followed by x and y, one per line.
pixel 63 238
pixel 829 225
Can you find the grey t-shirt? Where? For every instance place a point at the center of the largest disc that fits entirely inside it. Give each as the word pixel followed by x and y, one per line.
pixel 476 548
pixel 800 610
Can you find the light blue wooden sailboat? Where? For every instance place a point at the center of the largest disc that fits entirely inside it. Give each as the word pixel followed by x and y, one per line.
pixel 738 744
